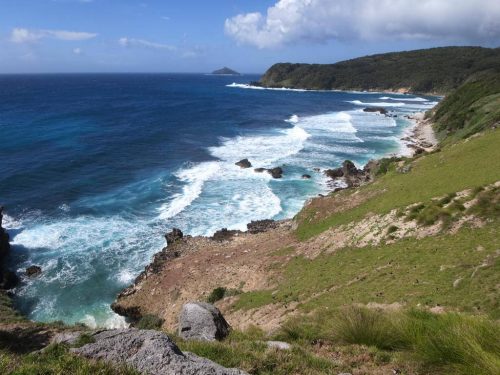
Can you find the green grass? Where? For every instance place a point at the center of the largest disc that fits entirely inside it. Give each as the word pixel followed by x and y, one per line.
pixel 472 108
pixel 469 164
pixel 410 271
pixel 149 321
pixel 56 359
pixel 448 343
pixel 249 352
pixel 7 312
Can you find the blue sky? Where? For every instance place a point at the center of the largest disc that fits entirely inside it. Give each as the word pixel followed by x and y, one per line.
pixel 249 36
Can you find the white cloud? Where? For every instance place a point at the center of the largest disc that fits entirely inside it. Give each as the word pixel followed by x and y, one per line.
pixel 290 21
pixel 77 51
pixel 22 35
pixel 133 42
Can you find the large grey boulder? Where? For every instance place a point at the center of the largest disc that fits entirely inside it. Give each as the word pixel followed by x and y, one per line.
pixel 149 352
pixel 202 321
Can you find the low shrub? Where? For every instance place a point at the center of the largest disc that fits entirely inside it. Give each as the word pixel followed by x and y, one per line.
pixel 149 321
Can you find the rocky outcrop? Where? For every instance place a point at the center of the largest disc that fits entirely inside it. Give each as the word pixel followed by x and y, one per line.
pixel 8 279
pixel 349 174
pixel 380 110
pixel 173 236
pixel 224 234
pixel 306 176
pixel 243 163
pixel 275 172
pixel 33 271
pixel 202 321
pixel 260 226
pixel 149 352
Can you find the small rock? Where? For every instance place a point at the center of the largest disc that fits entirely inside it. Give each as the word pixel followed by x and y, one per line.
pixel 316 169
pixel 381 110
pixel 33 271
pixel 175 235
pixel 259 170
pixel 275 172
pixel 306 176
pixel 281 345
pixel 202 321
pixel 243 163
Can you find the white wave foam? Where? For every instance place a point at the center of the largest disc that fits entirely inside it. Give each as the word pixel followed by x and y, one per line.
pixel 194 178
pixel 293 119
pixel 252 87
pixel 405 99
pixel 379 104
pixel 262 150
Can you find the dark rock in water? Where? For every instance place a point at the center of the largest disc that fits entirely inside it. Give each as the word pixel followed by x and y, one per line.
pixel 306 176
pixel 334 173
pixel 259 170
pixel 224 234
pixel 260 226
pixel 381 110
pixel 149 352
pixel 275 172
pixel 243 163
pixel 202 321
pixel 173 236
pixel 32 271
pixel 349 169
pixel 316 169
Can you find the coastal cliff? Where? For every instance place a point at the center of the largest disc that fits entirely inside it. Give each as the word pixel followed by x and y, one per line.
pixel 415 244
pixel 434 71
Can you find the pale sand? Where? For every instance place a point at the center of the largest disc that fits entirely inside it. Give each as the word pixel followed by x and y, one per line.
pixel 422 135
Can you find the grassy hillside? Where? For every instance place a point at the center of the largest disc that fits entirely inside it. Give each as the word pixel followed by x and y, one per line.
pixel 436 70
pixel 473 107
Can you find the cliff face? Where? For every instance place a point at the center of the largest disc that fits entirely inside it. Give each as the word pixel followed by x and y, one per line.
pixel 435 70
pixel 7 278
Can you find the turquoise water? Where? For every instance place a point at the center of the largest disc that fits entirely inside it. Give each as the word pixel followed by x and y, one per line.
pixel 94 169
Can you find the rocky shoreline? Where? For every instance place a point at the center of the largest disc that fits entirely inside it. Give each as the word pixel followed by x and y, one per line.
pixel 229 251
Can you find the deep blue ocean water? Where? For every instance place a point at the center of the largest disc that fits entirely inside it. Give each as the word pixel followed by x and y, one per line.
pixel 95 168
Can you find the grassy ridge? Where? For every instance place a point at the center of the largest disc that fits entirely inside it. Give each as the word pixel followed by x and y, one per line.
pixel 435 70
pixel 473 107
pixel 469 164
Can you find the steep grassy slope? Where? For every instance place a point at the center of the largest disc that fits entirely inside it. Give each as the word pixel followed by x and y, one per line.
pixel 471 108
pixel 467 164
pixel 436 70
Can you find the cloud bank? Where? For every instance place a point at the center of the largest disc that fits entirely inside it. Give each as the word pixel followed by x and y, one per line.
pixel 291 21
pixel 22 35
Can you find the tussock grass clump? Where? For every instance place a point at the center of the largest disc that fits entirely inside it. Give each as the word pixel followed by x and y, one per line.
pixel 448 343
pixel 463 344
pixel 149 321
pixel 355 325
pixel 488 203
pixel 220 292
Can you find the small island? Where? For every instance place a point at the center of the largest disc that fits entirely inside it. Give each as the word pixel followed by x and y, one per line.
pixel 226 72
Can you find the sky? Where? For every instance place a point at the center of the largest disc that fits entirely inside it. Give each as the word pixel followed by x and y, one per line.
pixel 49 36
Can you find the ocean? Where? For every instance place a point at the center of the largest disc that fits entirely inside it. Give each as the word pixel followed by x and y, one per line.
pixel 96 168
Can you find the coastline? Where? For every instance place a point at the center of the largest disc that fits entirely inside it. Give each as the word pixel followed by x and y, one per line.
pixel 241 234
pixel 238 260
